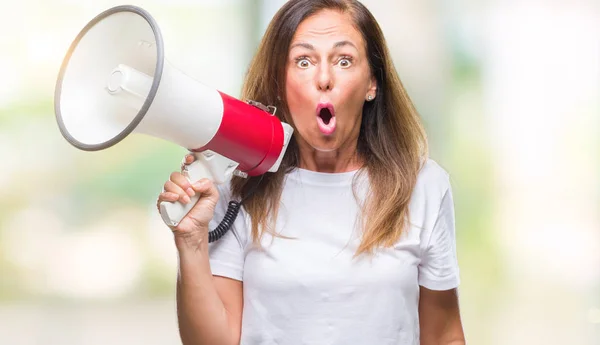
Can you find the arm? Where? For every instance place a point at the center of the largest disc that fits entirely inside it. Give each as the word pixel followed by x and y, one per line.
pixel 209 308
pixel 439 318
pixel 439 315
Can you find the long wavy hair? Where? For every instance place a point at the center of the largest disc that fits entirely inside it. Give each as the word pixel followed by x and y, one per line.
pixel 392 142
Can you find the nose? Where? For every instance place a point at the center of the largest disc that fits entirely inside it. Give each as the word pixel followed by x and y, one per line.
pixel 325 78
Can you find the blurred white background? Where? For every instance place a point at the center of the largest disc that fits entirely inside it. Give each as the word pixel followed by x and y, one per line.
pixel 510 95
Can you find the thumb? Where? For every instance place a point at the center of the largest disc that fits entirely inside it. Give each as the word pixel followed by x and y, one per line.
pixel 208 196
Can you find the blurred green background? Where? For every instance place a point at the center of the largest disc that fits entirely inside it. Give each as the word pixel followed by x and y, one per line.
pixel 509 93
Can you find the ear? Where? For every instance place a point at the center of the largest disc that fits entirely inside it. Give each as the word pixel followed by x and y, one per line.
pixel 373 85
pixel 372 91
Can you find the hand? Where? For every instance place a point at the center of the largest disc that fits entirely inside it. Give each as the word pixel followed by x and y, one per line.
pixel 178 188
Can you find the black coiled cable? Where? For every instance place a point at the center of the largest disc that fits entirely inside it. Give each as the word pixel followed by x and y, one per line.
pixel 232 211
pixel 233 208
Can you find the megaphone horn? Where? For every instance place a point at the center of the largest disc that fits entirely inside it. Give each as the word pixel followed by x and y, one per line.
pixel 115 81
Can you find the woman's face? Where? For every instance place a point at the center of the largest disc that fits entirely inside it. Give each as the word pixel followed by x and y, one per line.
pixel 328 79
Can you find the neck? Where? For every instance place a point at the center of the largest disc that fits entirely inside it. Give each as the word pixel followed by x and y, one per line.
pixel 340 160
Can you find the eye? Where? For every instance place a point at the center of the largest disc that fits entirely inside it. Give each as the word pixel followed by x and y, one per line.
pixel 302 62
pixel 345 62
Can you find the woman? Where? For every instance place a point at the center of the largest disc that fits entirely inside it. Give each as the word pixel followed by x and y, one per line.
pixel 352 240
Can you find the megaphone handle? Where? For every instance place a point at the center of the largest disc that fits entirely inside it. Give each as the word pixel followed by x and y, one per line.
pixel 173 212
pixel 207 164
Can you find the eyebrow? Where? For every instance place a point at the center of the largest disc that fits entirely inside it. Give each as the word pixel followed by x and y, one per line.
pixel 335 46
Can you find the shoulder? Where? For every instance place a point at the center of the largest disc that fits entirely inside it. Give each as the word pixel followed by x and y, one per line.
pixel 433 180
pixel 433 183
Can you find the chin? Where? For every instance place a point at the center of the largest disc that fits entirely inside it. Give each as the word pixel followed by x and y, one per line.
pixel 318 141
pixel 324 149
pixel 327 145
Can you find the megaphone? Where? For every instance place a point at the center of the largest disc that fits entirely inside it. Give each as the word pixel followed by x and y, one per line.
pixel 114 81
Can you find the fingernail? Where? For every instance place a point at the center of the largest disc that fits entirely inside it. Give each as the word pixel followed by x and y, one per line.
pixel 190 191
pixel 200 184
pixel 186 199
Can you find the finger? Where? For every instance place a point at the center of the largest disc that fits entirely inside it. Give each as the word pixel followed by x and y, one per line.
pixel 189 158
pixel 180 180
pixel 174 188
pixel 206 188
pixel 168 196
pixel 202 213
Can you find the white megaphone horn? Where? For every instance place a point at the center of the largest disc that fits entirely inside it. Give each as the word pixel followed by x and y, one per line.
pixel 115 81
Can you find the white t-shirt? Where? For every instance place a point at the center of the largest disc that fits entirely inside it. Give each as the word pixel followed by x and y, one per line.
pixel 309 290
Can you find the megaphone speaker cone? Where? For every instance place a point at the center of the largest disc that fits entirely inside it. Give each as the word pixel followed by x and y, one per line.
pixel 89 117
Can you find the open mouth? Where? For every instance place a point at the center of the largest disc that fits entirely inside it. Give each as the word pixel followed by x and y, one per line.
pixel 326 118
pixel 325 115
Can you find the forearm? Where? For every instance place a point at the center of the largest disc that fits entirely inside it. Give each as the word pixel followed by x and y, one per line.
pixel 203 319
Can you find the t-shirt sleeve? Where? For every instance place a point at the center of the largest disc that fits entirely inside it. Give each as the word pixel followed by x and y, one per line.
pixel 226 255
pixel 438 269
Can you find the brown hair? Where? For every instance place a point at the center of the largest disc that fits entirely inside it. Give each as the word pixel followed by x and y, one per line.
pixel 392 142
